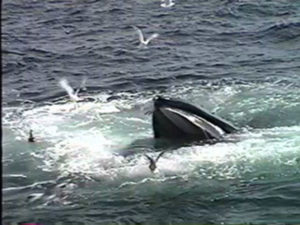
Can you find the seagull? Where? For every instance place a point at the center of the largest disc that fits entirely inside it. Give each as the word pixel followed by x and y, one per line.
pixel 141 36
pixel 73 94
pixel 165 5
pixel 34 196
pixel 153 162
pixel 31 138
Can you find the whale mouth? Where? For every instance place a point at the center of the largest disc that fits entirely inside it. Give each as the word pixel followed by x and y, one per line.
pixel 174 119
pixel 194 119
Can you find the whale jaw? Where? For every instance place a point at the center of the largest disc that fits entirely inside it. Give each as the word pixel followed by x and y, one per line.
pixel 173 119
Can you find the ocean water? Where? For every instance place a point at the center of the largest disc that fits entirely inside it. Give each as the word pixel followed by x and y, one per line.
pixel 238 59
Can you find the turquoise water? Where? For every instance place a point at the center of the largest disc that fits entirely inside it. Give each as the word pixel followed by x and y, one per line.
pixel 75 170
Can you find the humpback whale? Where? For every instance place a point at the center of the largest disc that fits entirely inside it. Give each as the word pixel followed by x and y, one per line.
pixel 177 120
pixel 176 123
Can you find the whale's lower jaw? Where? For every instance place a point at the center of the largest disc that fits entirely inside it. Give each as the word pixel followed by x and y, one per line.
pixel 178 120
pixel 170 123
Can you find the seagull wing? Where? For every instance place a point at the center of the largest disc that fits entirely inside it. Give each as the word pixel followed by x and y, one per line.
pixel 76 92
pixel 65 85
pixel 160 154
pixel 141 36
pixel 149 158
pixel 171 3
pixel 82 85
pixel 151 37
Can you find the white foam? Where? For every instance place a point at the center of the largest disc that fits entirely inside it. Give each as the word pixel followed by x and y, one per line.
pixel 81 138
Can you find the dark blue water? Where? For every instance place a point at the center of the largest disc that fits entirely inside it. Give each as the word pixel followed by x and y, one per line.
pixel 238 59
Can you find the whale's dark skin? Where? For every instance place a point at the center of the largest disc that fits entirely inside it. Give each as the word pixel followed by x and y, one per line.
pixel 176 120
pixel 176 124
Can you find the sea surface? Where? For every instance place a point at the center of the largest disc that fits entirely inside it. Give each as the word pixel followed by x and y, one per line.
pixel 238 59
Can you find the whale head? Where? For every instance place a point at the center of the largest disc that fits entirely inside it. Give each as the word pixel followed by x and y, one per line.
pixel 177 120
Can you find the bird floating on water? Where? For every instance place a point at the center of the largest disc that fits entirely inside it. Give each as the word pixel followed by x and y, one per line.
pixel 153 162
pixel 31 138
pixel 167 3
pixel 141 36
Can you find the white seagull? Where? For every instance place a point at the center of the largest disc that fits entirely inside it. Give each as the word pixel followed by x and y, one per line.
pixel 73 94
pixel 165 5
pixel 141 36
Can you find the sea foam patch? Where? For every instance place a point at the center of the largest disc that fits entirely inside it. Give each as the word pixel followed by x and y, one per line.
pixel 82 138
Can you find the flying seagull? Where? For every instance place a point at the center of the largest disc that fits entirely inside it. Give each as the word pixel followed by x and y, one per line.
pixel 153 162
pixel 72 94
pixel 167 3
pixel 141 36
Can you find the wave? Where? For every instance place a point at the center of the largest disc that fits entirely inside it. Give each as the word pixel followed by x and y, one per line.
pixel 275 33
pixel 280 32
